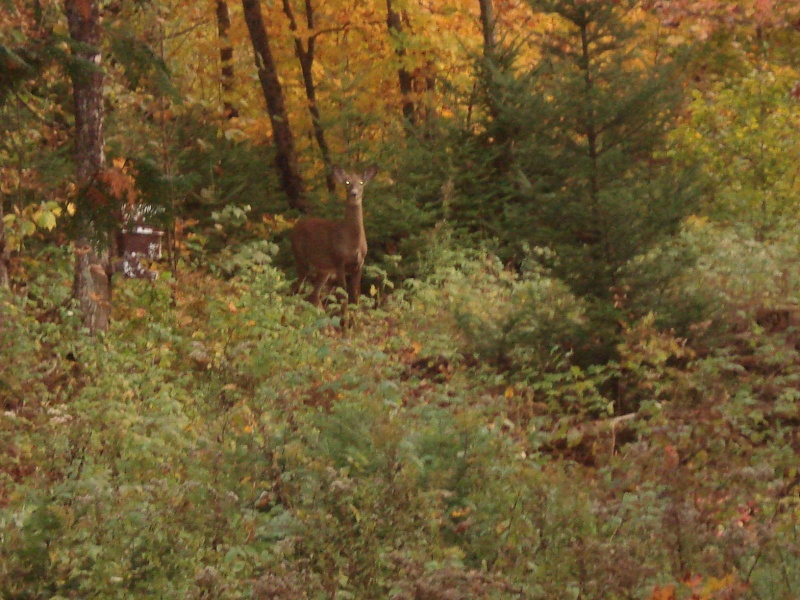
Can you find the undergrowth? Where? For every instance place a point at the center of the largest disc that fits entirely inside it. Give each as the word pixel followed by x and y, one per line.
pixel 227 440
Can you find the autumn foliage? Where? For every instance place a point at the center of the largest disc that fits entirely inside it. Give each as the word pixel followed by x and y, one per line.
pixel 573 370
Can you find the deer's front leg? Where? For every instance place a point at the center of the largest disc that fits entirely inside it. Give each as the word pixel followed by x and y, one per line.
pixel 354 286
pixel 341 282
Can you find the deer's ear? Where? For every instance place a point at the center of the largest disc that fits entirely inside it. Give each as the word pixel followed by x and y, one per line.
pixel 338 174
pixel 370 173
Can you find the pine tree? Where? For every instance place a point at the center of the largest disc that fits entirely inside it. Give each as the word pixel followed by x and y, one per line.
pixel 600 108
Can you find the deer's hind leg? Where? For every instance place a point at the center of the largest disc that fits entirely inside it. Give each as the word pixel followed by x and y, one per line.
pixel 320 279
pixel 302 275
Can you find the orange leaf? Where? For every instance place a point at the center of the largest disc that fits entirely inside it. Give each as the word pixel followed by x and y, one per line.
pixel 84 8
pixel 671 457
pixel 665 593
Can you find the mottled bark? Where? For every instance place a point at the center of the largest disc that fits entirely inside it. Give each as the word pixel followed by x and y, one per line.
pixel 4 253
pixel 405 78
pixel 286 156
pixel 91 285
pixel 305 55
pixel 225 58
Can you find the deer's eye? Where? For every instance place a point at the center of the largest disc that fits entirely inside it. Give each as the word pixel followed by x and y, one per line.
pixel 361 182
pixel 347 182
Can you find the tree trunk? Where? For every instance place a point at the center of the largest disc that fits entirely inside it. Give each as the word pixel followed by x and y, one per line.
pixel 4 254
pixel 590 132
pixel 306 58
pixel 91 286
pixel 286 158
pixel 487 27
pixel 395 26
pixel 225 58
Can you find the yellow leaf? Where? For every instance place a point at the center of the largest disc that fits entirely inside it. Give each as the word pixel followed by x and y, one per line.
pixel 696 221
pixel 509 393
pixel 355 512
pixel 119 162
pixel 675 40
pixel 458 513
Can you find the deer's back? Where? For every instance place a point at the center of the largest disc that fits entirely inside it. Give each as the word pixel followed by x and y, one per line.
pixel 325 244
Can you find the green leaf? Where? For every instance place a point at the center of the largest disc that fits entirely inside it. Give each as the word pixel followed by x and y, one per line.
pixel 46 220
pixel 27 228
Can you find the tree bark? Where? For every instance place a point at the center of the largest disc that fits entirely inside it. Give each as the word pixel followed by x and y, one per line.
pixel 405 78
pixel 305 55
pixel 487 27
pixel 4 254
pixel 286 158
pixel 489 46
pixel 225 58
pixel 91 286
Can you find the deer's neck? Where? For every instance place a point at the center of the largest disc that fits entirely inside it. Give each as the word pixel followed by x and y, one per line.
pixel 354 221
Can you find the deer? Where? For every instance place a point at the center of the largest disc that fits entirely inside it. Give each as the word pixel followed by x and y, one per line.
pixel 325 247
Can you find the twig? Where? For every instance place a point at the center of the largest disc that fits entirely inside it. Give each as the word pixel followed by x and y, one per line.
pixel 39 117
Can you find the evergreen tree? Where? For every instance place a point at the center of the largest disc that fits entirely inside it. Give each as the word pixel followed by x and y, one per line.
pixel 599 193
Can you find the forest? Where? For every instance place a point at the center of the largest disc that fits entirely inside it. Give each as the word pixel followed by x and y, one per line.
pixel 566 364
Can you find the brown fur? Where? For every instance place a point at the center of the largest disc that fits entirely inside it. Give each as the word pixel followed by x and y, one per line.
pixel 323 248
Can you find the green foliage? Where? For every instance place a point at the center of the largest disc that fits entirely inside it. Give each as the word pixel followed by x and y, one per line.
pixel 564 156
pixel 226 440
pixel 600 198
pixel 713 274
pixel 143 69
pixel 559 398
pixel 740 129
pixel 19 64
pixel 227 171
pixel 399 216
pixel 660 282
pixel 510 320
pixel 486 181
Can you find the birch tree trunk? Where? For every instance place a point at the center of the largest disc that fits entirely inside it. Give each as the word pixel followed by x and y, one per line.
pixel 225 58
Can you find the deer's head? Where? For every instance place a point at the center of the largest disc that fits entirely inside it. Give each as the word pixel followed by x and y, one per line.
pixel 354 182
